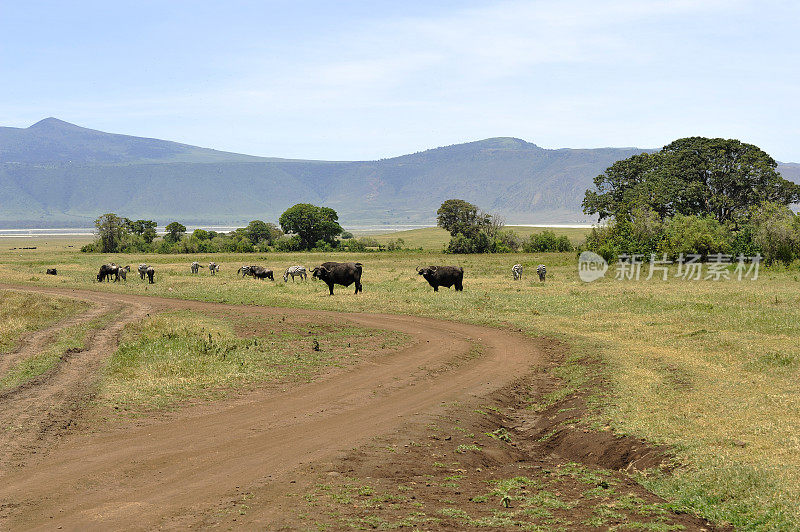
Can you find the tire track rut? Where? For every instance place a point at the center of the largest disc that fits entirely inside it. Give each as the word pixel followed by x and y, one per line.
pixel 169 472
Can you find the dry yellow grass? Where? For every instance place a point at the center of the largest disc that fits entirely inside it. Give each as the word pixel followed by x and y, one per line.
pixel 710 368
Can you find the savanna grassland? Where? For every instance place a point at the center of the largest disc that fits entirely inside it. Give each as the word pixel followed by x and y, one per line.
pixel 708 368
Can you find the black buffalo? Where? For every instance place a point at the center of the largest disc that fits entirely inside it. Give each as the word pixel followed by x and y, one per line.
pixel 343 273
pixel 151 272
pixel 51 271
pixel 446 276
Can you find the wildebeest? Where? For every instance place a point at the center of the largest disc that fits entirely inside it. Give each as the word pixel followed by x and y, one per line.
pixel 107 271
pixel 516 271
pixel 293 271
pixel 151 272
pixel 51 271
pixel 541 271
pixel 142 270
pixel 446 276
pixel 343 273
pixel 122 273
pixel 259 272
pixel 196 266
pixel 213 267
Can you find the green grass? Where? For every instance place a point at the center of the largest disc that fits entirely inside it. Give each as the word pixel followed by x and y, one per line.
pixel 21 313
pixel 73 337
pixel 175 356
pixel 708 368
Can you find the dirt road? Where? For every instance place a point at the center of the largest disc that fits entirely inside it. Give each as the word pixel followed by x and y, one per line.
pixel 169 472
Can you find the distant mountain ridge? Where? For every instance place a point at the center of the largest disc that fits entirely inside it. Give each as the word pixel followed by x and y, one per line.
pixel 55 172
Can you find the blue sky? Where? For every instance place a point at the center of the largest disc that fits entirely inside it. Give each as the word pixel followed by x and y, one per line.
pixel 365 80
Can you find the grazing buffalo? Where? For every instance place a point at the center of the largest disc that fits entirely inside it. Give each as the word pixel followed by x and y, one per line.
pixel 295 271
pixel 142 271
pixel 196 266
pixel 343 273
pixel 51 271
pixel 516 271
pixel 542 272
pixel 107 271
pixel 259 272
pixel 213 267
pixel 151 272
pixel 446 276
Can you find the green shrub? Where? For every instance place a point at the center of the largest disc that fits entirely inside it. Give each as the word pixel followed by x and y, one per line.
pixel 702 235
pixel 547 241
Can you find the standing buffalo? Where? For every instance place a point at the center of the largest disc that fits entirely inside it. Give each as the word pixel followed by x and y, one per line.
pixel 343 273
pixel 51 271
pixel 446 276
pixel 151 272
pixel 142 271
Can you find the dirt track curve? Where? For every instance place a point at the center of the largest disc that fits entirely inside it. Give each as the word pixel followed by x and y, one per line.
pixel 169 472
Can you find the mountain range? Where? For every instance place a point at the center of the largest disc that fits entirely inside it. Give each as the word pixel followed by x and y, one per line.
pixel 57 173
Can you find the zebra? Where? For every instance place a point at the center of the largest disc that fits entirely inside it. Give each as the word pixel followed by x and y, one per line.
pixel 542 271
pixel 213 267
pixel 142 271
pixel 122 272
pixel 196 266
pixel 244 270
pixel 295 270
pixel 516 271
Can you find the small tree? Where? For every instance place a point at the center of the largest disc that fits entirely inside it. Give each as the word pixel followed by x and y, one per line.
pixel 175 232
pixel 110 231
pixel 311 224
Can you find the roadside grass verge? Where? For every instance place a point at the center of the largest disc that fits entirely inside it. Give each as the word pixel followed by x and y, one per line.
pixel 708 368
pixel 65 340
pixel 183 355
pixel 21 313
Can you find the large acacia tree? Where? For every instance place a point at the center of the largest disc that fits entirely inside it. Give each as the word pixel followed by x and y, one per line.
pixel 722 178
pixel 311 224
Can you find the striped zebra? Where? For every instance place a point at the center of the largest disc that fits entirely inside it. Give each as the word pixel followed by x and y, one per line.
pixel 542 271
pixel 516 271
pixel 213 267
pixel 293 271
pixel 244 270
pixel 196 266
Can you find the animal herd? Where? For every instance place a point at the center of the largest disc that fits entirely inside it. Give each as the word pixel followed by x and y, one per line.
pixel 331 273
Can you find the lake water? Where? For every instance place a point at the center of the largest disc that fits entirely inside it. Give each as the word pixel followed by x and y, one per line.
pixel 88 231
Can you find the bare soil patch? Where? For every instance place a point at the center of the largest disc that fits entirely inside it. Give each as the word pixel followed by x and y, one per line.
pixel 436 436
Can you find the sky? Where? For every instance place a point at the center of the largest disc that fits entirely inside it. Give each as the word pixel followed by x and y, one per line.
pixel 351 80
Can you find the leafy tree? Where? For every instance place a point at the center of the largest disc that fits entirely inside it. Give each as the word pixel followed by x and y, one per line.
pixel 459 216
pixel 311 224
pixel 175 231
pixel 144 228
pixel 547 241
pixel 717 177
pixel 258 231
pixel 200 234
pixel 110 231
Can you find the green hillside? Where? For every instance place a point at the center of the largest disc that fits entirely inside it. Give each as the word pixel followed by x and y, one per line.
pixel 55 172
